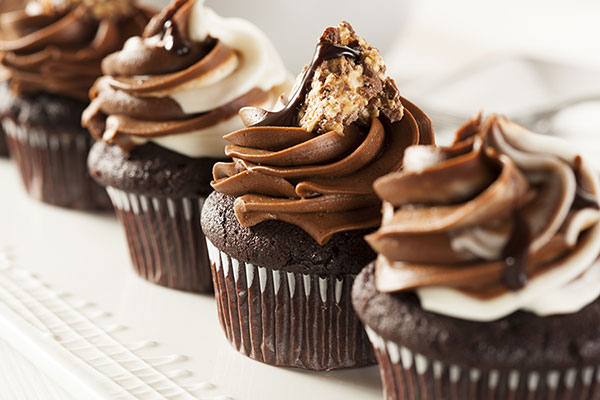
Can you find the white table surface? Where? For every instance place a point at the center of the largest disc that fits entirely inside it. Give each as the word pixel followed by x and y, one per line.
pixel 86 255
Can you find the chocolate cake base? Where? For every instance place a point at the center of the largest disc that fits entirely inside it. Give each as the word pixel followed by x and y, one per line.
pixel 287 301
pixel 283 246
pixel 50 148
pixel 158 196
pixel 423 355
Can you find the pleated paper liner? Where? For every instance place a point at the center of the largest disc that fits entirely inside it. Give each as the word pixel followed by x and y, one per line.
pixel 165 239
pixel 288 319
pixel 411 376
pixel 53 166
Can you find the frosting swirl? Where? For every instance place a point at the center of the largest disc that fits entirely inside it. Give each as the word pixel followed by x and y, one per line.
pixel 502 220
pixel 322 181
pixel 182 83
pixel 59 48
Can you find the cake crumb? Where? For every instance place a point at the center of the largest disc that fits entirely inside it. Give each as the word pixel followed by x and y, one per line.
pixel 344 91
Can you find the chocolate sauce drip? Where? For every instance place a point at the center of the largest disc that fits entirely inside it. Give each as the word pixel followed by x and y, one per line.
pixel 516 254
pixel 174 41
pixel 166 26
pixel 287 116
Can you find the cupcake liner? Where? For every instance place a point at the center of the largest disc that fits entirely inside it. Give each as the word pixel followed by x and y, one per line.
pixel 286 318
pixel 53 166
pixel 411 376
pixel 165 239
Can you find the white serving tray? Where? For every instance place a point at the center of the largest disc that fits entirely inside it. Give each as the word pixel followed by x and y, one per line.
pixel 76 322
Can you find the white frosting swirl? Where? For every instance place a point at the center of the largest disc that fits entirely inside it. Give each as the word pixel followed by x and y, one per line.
pixel 567 287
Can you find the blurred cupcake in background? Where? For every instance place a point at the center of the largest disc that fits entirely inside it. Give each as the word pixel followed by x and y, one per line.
pixel 51 52
pixel 285 226
pixel 160 113
pixel 486 284
pixel 5 95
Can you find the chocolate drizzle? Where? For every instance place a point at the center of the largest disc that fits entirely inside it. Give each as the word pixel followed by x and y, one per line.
pixel 516 254
pixel 174 41
pixel 166 26
pixel 287 116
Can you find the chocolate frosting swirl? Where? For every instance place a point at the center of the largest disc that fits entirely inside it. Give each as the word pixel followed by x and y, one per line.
pixel 321 182
pixel 60 50
pixel 486 215
pixel 135 102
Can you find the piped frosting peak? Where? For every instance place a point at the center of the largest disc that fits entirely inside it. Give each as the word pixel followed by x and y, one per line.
pixel 312 162
pixel 502 220
pixel 182 82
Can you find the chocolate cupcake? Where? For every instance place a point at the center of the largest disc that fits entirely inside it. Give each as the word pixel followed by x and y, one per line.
pixel 285 226
pixel 52 52
pixel 160 113
pixel 486 284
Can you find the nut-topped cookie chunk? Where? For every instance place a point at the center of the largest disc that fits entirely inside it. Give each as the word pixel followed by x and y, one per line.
pixel 346 90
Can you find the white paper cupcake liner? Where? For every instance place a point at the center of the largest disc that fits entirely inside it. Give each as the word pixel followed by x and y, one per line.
pixel 53 166
pixel 165 239
pixel 411 376
pixel 287 318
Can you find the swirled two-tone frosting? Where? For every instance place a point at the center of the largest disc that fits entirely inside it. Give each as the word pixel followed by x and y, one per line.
pixel 57 47
pixel 182 83
pixel 313 162
pixel 503 220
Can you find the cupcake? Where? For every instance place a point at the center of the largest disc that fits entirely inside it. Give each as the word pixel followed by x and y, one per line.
pixel 160 112
pixel 285 225
pixel 51 52
pixel 486 283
